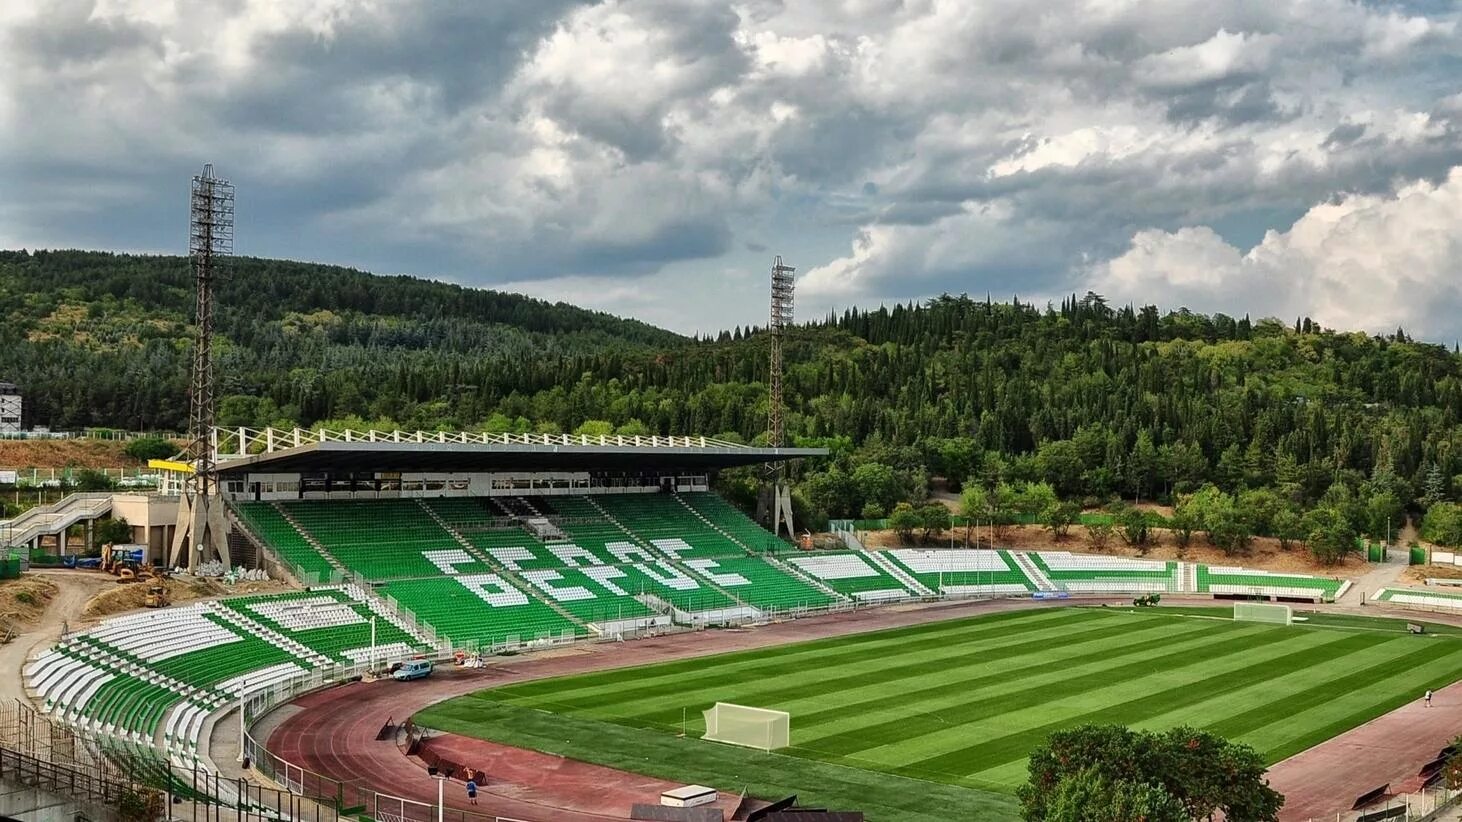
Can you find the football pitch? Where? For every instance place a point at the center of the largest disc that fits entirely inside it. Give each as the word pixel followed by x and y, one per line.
pixel 961 703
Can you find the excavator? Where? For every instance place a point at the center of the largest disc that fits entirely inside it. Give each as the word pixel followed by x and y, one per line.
pixel 125 563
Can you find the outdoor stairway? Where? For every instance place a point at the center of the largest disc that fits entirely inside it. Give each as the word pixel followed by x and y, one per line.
pixel 793 571
pixel 1032 572
pixel 489 560
pixel 904 578
pixel 710 524
pixel 310 538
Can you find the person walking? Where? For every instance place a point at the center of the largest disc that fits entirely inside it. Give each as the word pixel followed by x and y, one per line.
pixel 1428 697
pixel 471 791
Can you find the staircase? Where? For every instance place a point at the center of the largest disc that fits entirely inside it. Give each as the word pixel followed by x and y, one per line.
pixel 905 579
pixel 313 658
pixel 55 518
pixel 797 573
pixel 370 599
pixel 709 524
pixel 314 543
pixel 446 526
pixel 664 557
pixel 1032 571
pixel 490 561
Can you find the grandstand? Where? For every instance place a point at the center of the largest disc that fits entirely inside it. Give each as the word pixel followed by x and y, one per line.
pixel 1430 599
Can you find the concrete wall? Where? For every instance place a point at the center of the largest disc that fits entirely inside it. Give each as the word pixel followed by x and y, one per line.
pixel 153 518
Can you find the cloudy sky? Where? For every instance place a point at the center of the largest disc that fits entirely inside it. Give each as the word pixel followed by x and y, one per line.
pixel 648 157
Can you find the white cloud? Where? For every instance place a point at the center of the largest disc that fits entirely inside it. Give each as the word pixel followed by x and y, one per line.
pixel 1369 262
pixel 892 149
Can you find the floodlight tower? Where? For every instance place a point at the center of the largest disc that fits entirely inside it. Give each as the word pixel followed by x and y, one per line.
pixel 200 533
pixel 783 284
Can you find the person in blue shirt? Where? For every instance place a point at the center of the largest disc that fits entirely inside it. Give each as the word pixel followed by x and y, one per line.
pixel 472 791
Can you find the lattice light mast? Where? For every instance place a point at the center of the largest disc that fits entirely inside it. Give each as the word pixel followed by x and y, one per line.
pixel 200 530
pixel 783 285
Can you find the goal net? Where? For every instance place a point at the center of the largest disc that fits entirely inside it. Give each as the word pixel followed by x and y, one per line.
pixel 750 727
pixel 1263 612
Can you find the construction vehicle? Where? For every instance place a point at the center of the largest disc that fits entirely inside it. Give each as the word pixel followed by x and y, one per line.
pixel 123 561
pixel 157 596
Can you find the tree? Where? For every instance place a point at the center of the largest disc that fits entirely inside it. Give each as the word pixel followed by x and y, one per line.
pixel 1061 517
pixel 1183 523
pixel 1443 524
pixel 1433 487
pixel 150 448
pixel 1060 465
pixel 1204 773
pixel 1289 527
pixel 878 483
pixel 904 520
pixel 1142 466
pixel 1133 526
pixel 1329 535
pixel 1033 499
pixel 933 517
pixel 1099 534
pixel 1385 515
pixel 974 506
pixel 88 479
pixel 110 532
pixel 871 510
pixel 1090 796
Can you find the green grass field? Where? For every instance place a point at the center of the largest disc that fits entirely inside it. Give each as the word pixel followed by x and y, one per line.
pixel 877 717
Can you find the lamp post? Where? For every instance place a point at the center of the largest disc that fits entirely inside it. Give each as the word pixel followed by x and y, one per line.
pixel 373 643
pixel 243 734
pixel 441 779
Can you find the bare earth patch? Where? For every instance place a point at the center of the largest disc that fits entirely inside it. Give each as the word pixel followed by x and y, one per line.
pixel 64 453
pixel 129 596
pixel 22 601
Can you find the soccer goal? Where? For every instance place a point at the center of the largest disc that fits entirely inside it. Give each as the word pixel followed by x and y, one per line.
pixel 749 727
pixel 1263 612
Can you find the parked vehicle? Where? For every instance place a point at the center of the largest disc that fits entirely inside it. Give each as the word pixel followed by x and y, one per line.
pixel 412 669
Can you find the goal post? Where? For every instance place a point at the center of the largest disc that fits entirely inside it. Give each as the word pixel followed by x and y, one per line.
pixel 747 726
pixel 1263 612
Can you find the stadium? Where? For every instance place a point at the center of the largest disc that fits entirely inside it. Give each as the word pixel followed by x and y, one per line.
pixel 606 629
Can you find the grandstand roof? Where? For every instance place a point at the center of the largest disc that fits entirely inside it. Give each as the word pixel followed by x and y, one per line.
pixel 276 451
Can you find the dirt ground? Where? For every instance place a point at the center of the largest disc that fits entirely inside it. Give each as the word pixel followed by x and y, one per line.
pixel 73 590
pixel 129 596
pixel 1419 574
pixel 1263 554
pixel 24 600
pixel 63 453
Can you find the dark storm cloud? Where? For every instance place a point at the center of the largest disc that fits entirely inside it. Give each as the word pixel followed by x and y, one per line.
pixel 1003 146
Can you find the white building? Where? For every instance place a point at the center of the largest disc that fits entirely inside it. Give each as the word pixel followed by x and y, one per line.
pixel 10 408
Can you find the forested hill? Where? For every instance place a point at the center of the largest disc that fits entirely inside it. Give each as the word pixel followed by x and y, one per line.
pixel 1097 401
pixel 101 339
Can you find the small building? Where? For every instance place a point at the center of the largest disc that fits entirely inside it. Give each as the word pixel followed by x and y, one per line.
pixel 10 408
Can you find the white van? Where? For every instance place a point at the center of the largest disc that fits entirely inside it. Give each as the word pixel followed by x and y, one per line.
pixel 412 669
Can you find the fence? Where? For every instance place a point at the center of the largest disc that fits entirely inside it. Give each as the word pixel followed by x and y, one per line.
pixel 56 758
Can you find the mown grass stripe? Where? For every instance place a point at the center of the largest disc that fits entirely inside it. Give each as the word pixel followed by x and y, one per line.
pixel 974 758
pixel 712 674
pixel 966 682
pixel 831 647
pixel 1023 691
pixel 821 683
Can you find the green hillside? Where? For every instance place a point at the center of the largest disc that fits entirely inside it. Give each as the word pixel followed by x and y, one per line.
pixel 1097 402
